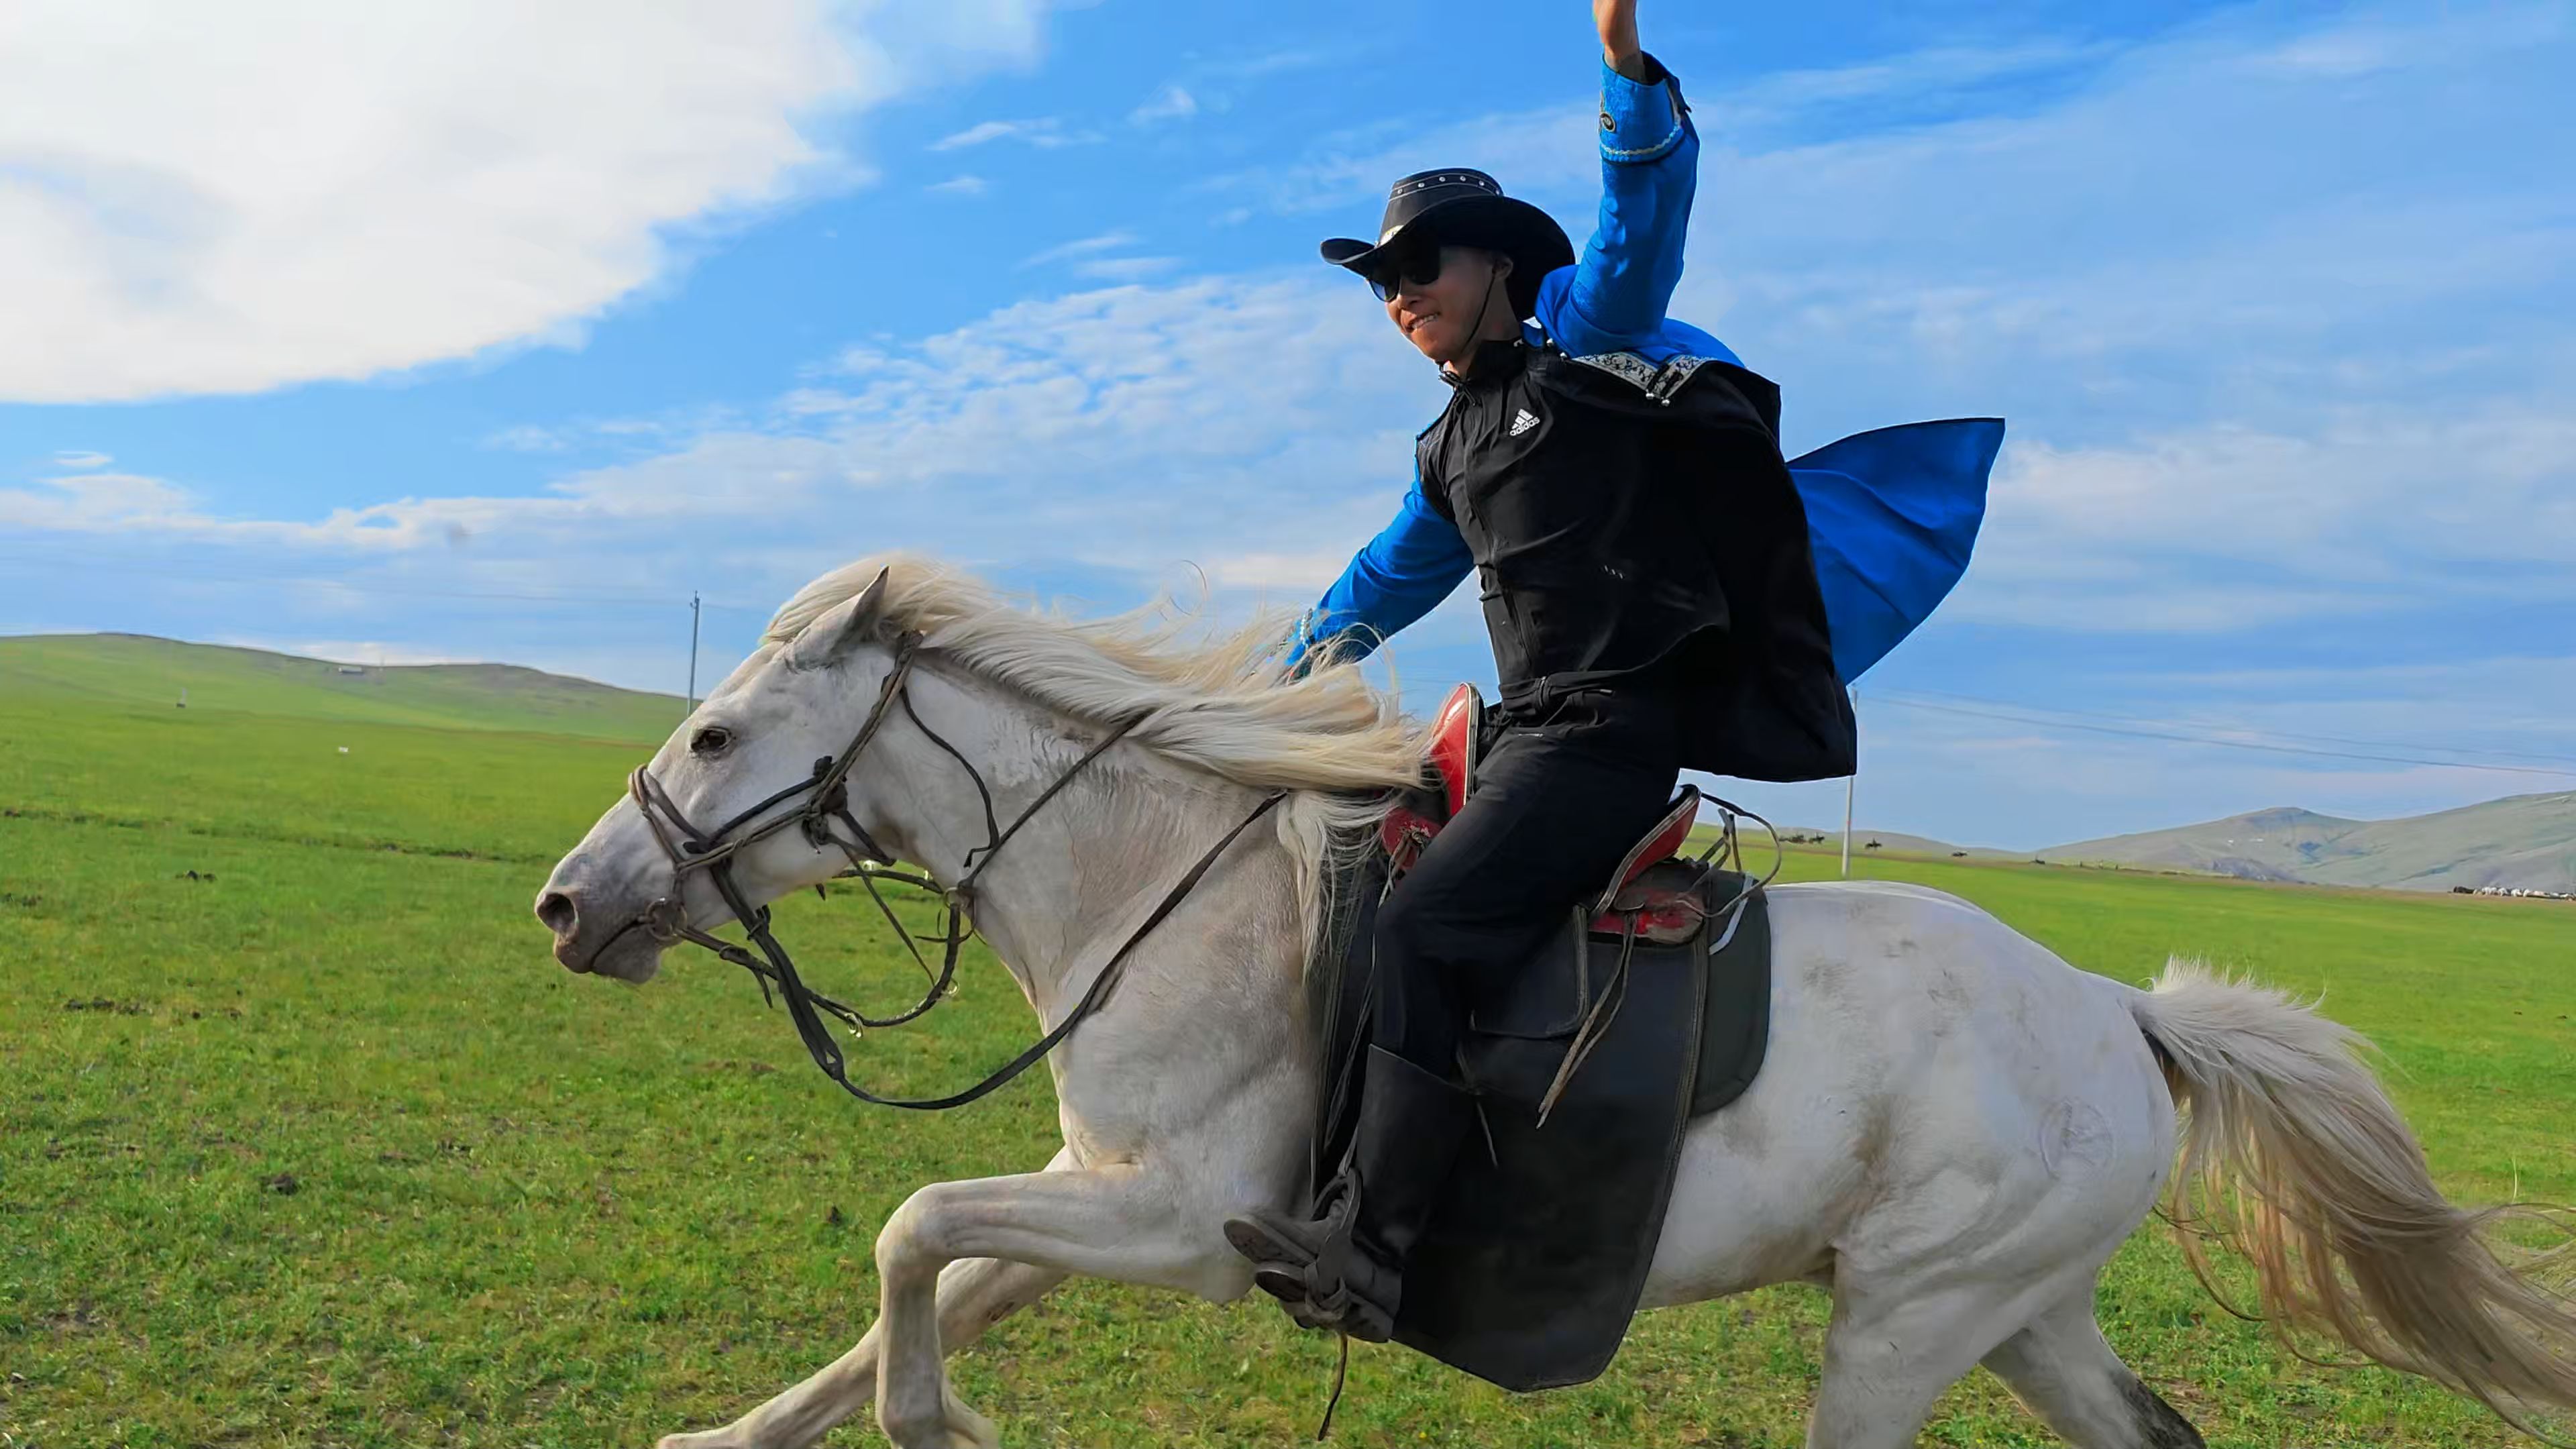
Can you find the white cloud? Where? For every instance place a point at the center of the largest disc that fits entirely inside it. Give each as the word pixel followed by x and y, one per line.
pixel 528 438
pixel 1254 67
pixel 962 185
pixel 1171 103
pixel 1933 772
pixel 1551 154
pixel 81 458
pixel 1107 241
pixel 2198 201
pixel 983 131
pixel 230 199
pixel 1551 149
pixel 2513 707
pixel 2219 194
pixel 1125 269
pixel 1043 422
pixel 96 502
pixel 2228 528
pixel 1790 96
pixel 1309 571
pixel 1046 133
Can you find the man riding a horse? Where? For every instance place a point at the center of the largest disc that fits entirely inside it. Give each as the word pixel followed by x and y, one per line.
pixel 1614 479
pixel 1952 1128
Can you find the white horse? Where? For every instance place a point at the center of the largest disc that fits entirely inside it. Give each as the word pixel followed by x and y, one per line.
pixel 1953 1131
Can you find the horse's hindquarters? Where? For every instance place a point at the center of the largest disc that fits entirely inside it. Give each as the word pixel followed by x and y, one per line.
pixel 1938 1090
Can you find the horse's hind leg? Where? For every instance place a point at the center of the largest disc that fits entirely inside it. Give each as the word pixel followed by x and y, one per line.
pixel 2062 1370
pixel 1890 1355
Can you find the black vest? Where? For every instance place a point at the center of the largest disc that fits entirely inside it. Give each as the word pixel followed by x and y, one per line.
pixel 1635 525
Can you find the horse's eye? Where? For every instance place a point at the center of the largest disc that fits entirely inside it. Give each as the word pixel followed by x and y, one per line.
pixel 710 740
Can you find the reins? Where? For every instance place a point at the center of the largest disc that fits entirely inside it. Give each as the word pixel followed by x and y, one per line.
pixel 827 803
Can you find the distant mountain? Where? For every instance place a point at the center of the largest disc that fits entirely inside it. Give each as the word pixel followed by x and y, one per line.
pixel 2525 842
pixel 140 670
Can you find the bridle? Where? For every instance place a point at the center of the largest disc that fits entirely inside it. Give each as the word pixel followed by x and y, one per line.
pixel 826 804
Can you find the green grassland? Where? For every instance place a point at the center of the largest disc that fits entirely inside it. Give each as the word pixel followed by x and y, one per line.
pixel 316 1146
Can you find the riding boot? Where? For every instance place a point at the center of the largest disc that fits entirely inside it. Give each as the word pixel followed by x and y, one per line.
pixel 1345 1268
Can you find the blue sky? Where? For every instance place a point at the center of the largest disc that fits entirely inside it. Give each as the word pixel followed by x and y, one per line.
pixel 490 331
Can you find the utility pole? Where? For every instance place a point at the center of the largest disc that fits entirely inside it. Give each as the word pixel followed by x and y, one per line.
pixel 693 653
pixel 1851 783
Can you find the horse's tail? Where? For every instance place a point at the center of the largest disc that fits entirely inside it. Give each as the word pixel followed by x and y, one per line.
pixel 2295 1154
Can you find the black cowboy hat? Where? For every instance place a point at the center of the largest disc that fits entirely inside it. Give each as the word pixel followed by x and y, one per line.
pixel 1461 208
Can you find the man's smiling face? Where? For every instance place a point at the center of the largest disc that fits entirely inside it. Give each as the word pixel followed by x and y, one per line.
pixel 1439 305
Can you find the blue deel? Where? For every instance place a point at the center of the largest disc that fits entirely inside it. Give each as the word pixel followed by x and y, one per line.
pixel 1892 517
pixel 1892 514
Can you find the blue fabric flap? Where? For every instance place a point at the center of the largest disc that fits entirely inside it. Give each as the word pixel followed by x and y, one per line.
pixel 1892 515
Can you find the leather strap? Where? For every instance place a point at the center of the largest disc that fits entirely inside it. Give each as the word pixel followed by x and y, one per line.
pixel 827 1052
pixel 827 803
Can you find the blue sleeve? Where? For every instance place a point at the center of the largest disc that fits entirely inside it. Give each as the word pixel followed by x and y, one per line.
pixel 1613 299
pixel 1410 566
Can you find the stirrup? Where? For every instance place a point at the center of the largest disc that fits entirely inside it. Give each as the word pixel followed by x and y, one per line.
pixel 1268 1247
pixel 1341 1310
pixel 1286 1270
pixel 1320 1294
pixel 1345 1311
pixel 1287 1281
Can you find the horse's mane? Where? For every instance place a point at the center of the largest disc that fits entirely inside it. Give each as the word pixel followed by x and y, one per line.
pixel 1219 704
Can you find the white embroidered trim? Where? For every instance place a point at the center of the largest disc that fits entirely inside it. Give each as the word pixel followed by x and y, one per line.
pixel 1659 383
pixel 1652 149
pixel 1671 139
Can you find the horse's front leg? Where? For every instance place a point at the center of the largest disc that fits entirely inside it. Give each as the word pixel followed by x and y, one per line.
pixel 1120 1222
pixel 974 1294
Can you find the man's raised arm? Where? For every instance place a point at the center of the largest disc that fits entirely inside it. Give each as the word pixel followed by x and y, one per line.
pixel 1617 294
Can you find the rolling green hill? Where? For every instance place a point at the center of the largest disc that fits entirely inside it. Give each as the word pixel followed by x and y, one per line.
pixel 141 671
pixel 2525 842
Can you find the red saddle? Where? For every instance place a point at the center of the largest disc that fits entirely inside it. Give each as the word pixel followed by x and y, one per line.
pixel 1450 754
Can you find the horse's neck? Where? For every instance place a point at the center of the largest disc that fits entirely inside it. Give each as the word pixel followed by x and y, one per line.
pixel 1085 869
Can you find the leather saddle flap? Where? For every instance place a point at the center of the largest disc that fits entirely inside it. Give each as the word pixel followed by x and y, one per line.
pixel 1531 1270
pixel 1670 902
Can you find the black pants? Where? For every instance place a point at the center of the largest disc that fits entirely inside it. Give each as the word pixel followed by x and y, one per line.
pixel 1560 798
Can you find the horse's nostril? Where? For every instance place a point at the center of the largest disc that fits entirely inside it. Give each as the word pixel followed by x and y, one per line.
pixel 557 911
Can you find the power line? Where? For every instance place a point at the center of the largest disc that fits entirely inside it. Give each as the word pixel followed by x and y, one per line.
pixel 2147 734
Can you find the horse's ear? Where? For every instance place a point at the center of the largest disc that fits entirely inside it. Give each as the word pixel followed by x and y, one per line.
pixel 844 628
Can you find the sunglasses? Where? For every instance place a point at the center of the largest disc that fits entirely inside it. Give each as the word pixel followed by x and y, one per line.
pixel 1421 268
